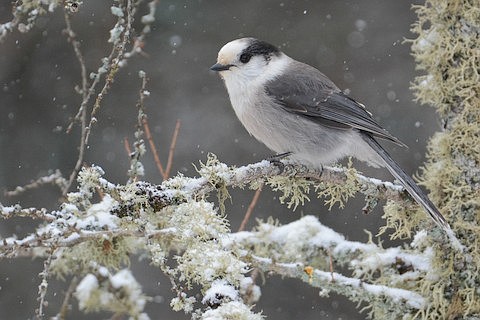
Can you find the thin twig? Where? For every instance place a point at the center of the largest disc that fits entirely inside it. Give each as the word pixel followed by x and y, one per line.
pixel 62 314
pixel 42 288
pixel 30 245
pixel 55 178
pixel 18 211
pixel 250 208
pixel 83 107
pixel 172 149
pixel 114 63
pixel 126 145
pixel 136 168
pixel 148 135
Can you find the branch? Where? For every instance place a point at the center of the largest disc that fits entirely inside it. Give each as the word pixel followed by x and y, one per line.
pixel 171 192
pixel 172 149
pixel 260 171
pixel 55 178
pixel 310 245
pixel 149 137
pixel 250 208
pixel 172 216
pixel 353 288
pixel 18 211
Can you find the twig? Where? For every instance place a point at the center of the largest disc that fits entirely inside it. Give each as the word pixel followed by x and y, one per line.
pixel 82 112
pixel 172 149
pixel 111 64
pixel 62 314
pixel 18 211
pixel 55 178
pixel 114 63
pixel 358 289
pixel 28 247
pixel 126 145
pixel 42 288
pixel 250 208
pixel 148 135
pixel 136 167
pixel 165 173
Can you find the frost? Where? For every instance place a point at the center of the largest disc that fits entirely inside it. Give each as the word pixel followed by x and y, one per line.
pixel 116 11
pixel 115 33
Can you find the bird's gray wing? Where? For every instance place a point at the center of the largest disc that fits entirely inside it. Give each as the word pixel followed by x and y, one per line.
pixel 312 95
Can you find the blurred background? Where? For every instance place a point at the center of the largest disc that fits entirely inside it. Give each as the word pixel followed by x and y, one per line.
pixel 358 44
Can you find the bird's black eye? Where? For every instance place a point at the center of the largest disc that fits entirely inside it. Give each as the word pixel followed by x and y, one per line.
pixel 245 57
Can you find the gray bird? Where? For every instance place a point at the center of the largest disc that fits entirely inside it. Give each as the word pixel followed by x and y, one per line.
pixel 295 109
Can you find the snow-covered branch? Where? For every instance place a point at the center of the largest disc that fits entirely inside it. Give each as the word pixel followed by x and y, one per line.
pixel 307 250
pixel 157 220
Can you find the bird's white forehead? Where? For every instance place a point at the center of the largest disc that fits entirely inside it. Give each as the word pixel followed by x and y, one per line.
pixel 231 50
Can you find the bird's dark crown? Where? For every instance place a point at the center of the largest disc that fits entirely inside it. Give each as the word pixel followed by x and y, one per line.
pixel 258 47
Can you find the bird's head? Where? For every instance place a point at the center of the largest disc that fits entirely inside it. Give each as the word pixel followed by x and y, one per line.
pixel 246 59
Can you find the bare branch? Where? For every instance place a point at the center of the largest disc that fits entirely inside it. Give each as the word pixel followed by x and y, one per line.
pixel 250 208
pixel 148 135
pixel 62 314
pixel 172 149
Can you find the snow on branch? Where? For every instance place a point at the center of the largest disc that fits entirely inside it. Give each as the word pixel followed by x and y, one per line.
pixel 101 225
pixel 305 249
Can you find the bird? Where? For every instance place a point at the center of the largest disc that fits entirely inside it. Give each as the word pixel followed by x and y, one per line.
pixel 296 110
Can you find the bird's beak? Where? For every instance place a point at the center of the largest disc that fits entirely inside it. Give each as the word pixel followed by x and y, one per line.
pixel 221 67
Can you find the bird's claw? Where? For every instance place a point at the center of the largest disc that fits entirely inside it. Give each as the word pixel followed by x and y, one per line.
pixel 276 160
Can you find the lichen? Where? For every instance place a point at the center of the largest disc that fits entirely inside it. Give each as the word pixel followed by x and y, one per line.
pixel 118 293
pixel 446 50
pixel 339 193
pixel 295 190
pixel 113 253
pixel 212 171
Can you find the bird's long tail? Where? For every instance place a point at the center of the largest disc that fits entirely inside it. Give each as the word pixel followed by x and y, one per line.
pixel 410 185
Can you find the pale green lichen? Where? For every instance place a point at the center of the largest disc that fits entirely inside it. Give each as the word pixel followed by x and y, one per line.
pixel 295 190
pixel 212 171
pixel 183 302
pixel 400 220
pixel 446 49
pixel 113 253
pixel 339 193
pixel 119 293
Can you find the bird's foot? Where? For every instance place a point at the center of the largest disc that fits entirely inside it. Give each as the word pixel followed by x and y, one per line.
pixel 276 160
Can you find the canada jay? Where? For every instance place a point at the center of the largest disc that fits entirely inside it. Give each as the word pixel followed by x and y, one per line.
pixel 295 109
